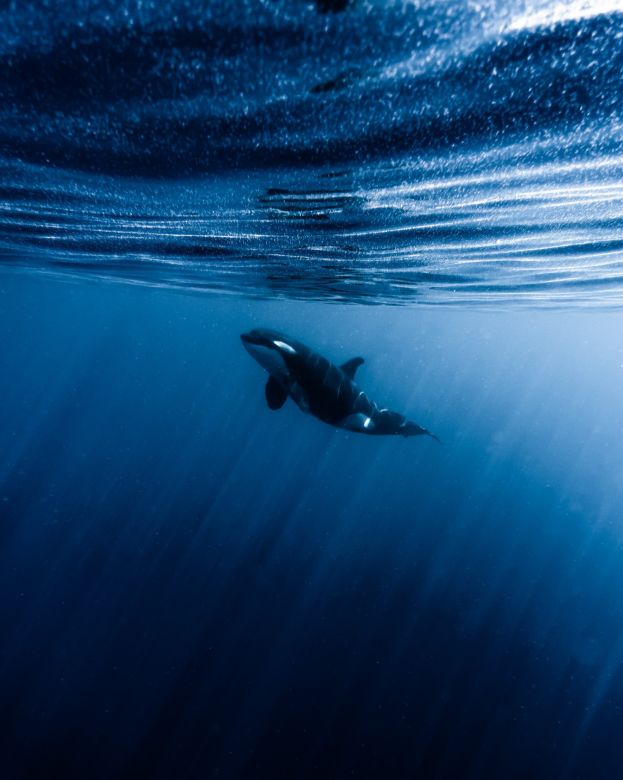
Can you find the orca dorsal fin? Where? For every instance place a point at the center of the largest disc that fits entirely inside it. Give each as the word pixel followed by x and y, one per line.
pixel 276 395
pixel 351 366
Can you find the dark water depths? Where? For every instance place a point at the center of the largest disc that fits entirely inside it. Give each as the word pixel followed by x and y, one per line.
pixel 193 586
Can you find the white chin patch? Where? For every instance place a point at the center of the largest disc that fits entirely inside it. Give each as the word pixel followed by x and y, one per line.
pixel 269 359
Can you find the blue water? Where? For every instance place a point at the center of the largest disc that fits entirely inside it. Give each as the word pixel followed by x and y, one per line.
pixel 194 586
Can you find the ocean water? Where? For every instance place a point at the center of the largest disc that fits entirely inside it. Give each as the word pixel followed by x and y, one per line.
pixel 195 586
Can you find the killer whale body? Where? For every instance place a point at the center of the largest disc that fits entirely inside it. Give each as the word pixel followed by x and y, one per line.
pixel 319 387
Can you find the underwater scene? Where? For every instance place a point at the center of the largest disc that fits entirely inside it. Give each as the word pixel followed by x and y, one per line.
pixel 311 382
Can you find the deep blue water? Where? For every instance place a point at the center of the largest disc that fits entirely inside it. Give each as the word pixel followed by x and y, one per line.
pixel 194 586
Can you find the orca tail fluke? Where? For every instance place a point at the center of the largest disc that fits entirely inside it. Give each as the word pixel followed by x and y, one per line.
pixel 433 436
pixel 393 423
pixel 413 429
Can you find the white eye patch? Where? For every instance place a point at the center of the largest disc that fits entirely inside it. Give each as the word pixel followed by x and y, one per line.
pixel 283 345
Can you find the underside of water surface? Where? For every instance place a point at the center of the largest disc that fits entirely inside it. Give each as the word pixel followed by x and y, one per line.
pixel 195 585
pixel 366 151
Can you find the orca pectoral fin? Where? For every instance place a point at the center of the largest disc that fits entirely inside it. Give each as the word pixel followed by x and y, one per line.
pixel 351 366
pixel 276 395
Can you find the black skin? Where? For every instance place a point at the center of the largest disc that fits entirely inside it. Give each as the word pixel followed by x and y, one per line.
pixel 331 393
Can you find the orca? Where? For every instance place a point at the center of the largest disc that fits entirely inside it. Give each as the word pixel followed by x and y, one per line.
pixel 320 388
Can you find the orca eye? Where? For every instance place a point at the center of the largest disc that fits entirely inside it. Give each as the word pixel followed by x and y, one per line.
pixel 286 347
